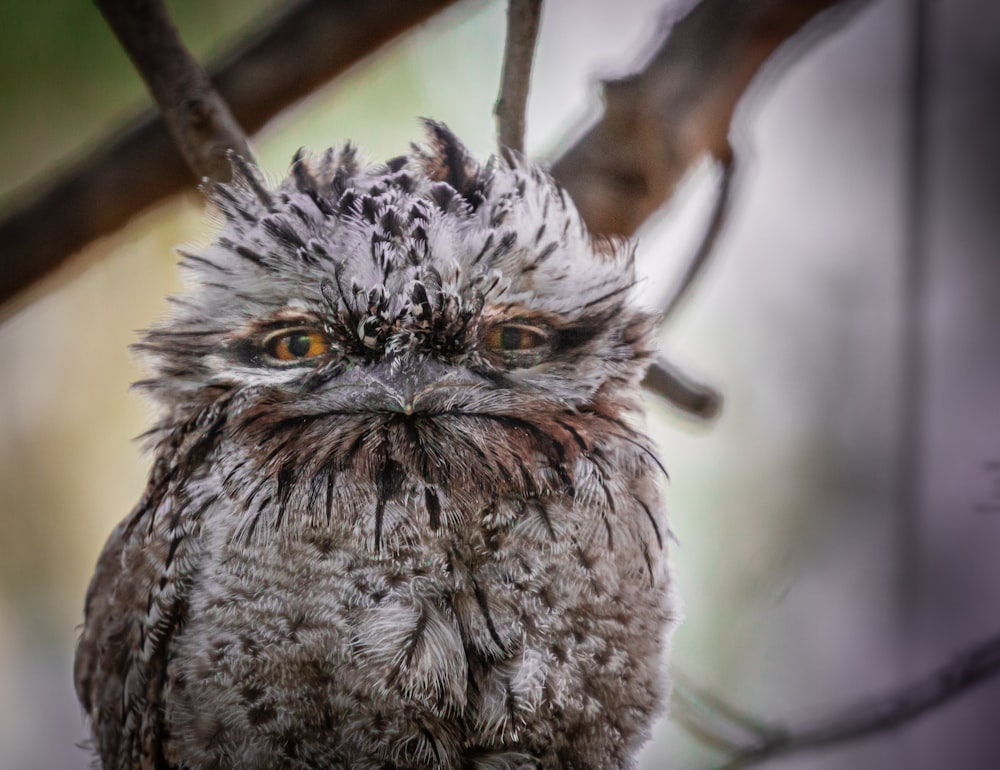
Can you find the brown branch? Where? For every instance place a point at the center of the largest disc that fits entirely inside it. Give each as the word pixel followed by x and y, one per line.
pixel 911 440
pixel 703 726
pixel 519 50
pixel 707 246
pixel 969 669
pixel 621 171
pixel 199 121
pixel 692 397
pixel 713 721
pixel 658 122
pixel 309 43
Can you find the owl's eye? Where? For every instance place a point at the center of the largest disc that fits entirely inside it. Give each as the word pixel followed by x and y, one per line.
pixel 515 337
pixel 290 345
pixel 517 343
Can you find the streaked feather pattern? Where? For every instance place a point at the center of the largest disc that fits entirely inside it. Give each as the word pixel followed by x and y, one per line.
pixel 439 544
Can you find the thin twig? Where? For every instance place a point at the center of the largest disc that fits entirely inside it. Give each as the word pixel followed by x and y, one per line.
pixel 519 50
pixel 199 120
pixel 615 187
pixel 969 669
pixel 659 122
pixel 703 724
pixel 912 374
pixel 656 126
pixel 292 54
pixel 700 258
pixel 694 398
pixel 715 721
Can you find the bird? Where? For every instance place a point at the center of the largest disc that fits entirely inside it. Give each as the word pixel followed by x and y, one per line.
pixel 402 509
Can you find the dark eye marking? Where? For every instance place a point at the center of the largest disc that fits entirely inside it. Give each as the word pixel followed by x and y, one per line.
pixel 578 334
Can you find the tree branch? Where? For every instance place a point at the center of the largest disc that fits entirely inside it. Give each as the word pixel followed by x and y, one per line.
pixel 512 104
pixel 715 722
pixel 911 440
pixel 658 122
pixel 707 246
pixel 295 53
pixel 199 121
pixel 967 670
pixel 692 397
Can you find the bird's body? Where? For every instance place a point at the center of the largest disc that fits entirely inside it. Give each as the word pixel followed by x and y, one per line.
pixel 402 512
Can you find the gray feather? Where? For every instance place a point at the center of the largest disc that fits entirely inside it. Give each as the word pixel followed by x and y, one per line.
pixel 426 533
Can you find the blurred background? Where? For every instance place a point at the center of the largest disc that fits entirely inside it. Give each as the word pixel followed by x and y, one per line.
pixel 806 586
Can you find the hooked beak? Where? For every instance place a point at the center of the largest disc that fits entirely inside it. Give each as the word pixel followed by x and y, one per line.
pixel 409 386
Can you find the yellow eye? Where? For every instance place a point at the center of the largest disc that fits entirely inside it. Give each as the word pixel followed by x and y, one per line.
pixel 515 337
pixel 296 344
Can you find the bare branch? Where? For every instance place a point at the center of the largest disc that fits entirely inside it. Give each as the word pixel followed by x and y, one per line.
pixel 911 441
pixel 659 122
pixel 202 127
pixel 656 126
pixel 715 722
pixel 694 398
pixel 512 104
pixel 703 725
pixel 967 670
pixel 309 43
pixel 716 49
pixel 707 246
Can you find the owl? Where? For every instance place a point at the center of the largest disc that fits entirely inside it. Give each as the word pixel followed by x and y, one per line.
pixel 402 511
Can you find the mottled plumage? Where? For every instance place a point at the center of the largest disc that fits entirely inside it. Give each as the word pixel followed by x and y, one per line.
pixel 402 512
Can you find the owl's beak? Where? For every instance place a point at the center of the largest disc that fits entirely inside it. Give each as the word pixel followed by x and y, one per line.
pixel 422 386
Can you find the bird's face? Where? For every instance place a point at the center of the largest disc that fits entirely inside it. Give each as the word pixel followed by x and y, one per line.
pixel 429 319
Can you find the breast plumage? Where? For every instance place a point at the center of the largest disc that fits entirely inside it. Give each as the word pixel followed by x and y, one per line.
pixel 402 511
